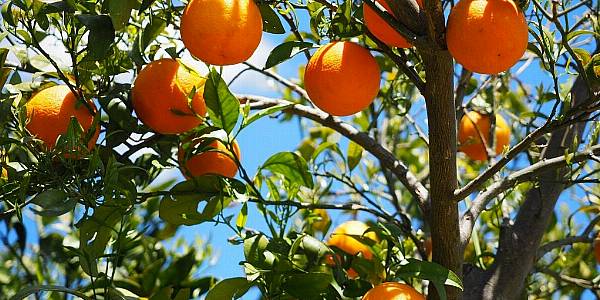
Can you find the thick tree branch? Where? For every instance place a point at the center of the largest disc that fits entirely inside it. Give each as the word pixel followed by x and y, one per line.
pixel 441 116
pixel 386 158
pixel 584 237
pixel 519 241
pixel 530 173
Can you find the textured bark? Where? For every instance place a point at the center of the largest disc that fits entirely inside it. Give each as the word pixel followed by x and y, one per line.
pixel 519 242
pixel 441 116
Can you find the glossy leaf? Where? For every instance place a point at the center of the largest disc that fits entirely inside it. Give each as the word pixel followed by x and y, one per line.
pixel 291 166
pixel 286 51
pixel 223 106
pixel 230 288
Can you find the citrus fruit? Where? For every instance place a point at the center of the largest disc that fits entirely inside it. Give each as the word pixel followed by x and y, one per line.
pixel 342 238
pixel 221 32
pixel 486 36
pixel 161 93
pixel 216 160
pixel 473 126
pixel 393 291
pixel 50 110
pixel 342 78
pixel 381 29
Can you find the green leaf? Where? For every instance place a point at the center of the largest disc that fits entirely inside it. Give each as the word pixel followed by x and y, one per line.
pixel 355 152
pixel 230 288
pixel 271 22
pixel 433 272
pixel 265 112
pixel 254 249
pixel 181 207
pixel 297 284
pixel 25 292
pixel 242 217
pixel 120 12
pixel 149 34
pixel 573 34
pixel 583 55
pixel 313 246
pixel 53 202
pixel 223 106
pixel 95 232
pixel 179 270
pixel 7 14
pixel 291 166
pixel 285 51
pixel 101 37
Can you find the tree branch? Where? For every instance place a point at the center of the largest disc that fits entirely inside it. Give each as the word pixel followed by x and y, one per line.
pixel 527 174
pixel 386 158
pixel 584 237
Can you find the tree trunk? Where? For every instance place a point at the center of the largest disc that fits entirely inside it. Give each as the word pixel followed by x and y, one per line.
pixel 520 241
pixel 441 116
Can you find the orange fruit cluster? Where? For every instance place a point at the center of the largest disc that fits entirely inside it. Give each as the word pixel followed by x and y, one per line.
pixel 473 126
pixel 485 36
pixel 168 97
pixel 50 110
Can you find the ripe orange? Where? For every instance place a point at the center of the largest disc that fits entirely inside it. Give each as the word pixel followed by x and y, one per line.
pixel 486 36
pixel 597 248
pixel 342 78
pixel 221 32
pixel 50 111
pixel 472 125
pixel 393 291
pixel 216 161
pixel 160 97
pixel 381 29
pixel 341 238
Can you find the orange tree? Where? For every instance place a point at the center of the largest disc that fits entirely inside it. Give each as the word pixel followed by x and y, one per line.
pixel 385 129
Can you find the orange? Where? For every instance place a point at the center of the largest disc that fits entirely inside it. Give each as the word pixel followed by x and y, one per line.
pixel 221 32
pixel 597 248
pixel 341 238
pixel 50 111
pixel 393 291
pixel 380 28
pixel 486 36
pixel 216 160
pixel 342 78
pixel 160 97
pixel 472 125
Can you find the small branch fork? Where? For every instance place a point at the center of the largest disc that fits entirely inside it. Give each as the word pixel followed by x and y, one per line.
pixel 526 174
